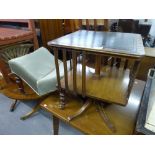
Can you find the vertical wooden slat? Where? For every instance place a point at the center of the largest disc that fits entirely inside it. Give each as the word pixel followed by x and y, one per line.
pixel 132 76
pixel 118 62
pixel 112 61
pixel 105 60
pixel 122 63
pixel 97 65
pixel 57 67
pixel 126 64
pixel 80 23
pixel 70 57
pixel 65 69
pixel 87 24
pixel 74 71
pixel 83 74
pixel 106 24
pixel 109 61
pixel 95 24
pixel 74 25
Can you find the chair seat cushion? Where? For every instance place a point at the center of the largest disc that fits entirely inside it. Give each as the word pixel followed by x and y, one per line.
pixel 37 69
pixel 12 33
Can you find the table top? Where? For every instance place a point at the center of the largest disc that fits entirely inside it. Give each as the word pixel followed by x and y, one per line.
pixel 90 122
pixel 104 42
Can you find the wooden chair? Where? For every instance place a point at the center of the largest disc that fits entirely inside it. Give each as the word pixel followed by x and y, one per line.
pixel 13 35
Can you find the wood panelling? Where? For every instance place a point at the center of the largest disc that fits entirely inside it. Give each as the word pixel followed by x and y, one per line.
pixel 72 25
pixel 50 29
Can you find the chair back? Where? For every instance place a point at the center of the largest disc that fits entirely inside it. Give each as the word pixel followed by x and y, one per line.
pixel 29 23
pixel 91 24
pixel 71 25
pixel 23 26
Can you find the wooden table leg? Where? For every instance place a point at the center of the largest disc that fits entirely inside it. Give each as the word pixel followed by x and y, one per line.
pixel 34 110
pixel 80 111
pixel 55 125
pixel 97 67
pixel 13 106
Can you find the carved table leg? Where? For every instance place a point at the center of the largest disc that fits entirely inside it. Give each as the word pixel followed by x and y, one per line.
pixel 80 111
pixel 105 117
pixel 34 110
pixel 55 125
pixel 13 106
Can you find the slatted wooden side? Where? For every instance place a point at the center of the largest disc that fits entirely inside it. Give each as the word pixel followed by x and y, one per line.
pixel 57 67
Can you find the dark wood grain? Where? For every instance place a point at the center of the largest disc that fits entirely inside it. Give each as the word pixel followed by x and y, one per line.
pixel 94 42
pixel 65 69
pixel 83 74
pixel 116 83
pixel 90 122
pixel 50 29
pixel 74 71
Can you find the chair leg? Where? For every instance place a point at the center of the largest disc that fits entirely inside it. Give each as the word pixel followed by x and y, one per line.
pixel 13 105
pixel 80 111
pixel 55 125
pixel 34 110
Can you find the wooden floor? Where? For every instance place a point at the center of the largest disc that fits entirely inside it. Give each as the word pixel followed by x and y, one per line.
pixel 90 122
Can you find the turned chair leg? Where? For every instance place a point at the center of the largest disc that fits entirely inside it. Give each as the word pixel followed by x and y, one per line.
pixel 55 125
pixel 34 110
pixel 80 111
pixel 62 99
pixel 13 105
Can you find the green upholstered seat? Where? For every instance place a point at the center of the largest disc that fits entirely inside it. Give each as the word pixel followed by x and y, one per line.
pixel 37 69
